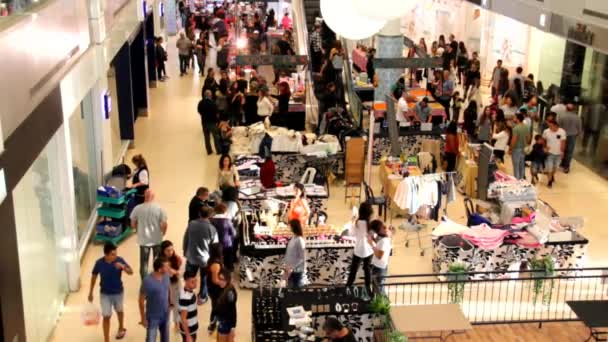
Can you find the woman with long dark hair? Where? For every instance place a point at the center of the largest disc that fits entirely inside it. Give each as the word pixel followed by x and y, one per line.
pixel 462 61
pixel 235 105
pixel 215 266
pixel 175 264
pixel 226 309
pixel 470 119
pixel 484 127
pixel 228 175
pixel 225 231
pixel 295 257
pixel 363 250
pixel 451 146
pixel 298 207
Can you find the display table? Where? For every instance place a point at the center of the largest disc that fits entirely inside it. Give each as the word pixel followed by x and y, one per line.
pixel 415 95
pixel 411 141
pixel 271 320
pixel 593 314
pixel 324 265
pixel 317 195
pixel 291 166
pixel 430 319
pixel 568 254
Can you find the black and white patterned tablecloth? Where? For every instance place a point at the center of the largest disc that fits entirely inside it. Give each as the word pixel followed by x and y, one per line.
pixel 324 266
pixel 290 167
pixel 566 256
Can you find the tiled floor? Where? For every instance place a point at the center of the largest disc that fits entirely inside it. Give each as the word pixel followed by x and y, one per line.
pixel 171 140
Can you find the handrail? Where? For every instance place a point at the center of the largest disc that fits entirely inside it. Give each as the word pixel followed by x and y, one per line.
pixel 355 104
pixel 557 270
pixel 530 296
pixel 312 106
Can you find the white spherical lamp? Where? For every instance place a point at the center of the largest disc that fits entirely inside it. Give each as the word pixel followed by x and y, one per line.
pixel 381 9
pixel 342 18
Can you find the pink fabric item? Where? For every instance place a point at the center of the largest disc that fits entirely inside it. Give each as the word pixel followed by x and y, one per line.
pixel 526 240
pixel 485 237
pixel 503 177
pixel 528 219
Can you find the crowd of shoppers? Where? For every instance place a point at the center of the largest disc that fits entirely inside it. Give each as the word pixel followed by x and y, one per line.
pixel 209 248
pixel 510 118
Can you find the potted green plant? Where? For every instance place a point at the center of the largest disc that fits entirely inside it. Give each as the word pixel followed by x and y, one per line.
pixel 380 306
pixel 456 278
pixel 542 268
pixel 397 336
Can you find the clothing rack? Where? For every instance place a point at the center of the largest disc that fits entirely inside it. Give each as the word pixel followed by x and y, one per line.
pixel 434 175
pixel 440 176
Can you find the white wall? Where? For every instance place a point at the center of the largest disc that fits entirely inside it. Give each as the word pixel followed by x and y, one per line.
pixel 552 59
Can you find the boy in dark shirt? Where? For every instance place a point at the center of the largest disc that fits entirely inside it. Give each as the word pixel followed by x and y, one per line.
pixel 110 268
pixel 537 157
pixel 337 332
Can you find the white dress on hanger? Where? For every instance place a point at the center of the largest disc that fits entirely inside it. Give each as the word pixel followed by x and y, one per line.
pixel 211 61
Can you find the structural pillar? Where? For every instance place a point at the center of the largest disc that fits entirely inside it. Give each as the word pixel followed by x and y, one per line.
pixel 389 44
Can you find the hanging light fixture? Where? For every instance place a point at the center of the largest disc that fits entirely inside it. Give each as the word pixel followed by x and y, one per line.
pixel 381 9
pixel 342 18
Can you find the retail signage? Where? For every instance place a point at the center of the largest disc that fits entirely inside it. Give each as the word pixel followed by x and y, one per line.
pixel 107 104
pixel 145 7
pixel 161 9
pixel 402 63
pixel 276 60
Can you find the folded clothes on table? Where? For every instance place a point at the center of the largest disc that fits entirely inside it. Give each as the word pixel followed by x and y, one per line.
pixel 485 237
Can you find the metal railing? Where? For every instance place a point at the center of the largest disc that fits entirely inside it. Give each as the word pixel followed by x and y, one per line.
pixel 312 105
pixel 502 297
pixel 353 100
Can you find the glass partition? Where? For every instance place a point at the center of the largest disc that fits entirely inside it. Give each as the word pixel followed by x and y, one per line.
pixel 81 169
pixel 42 259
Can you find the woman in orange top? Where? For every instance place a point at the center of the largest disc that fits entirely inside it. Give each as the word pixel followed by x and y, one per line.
pixel 451 146
pixel 298 207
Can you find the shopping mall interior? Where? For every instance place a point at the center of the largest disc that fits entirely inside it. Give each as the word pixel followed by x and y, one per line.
pixel 353 170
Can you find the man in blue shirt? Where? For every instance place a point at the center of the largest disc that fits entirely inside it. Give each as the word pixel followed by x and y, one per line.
pixel 110 268
pixel 155 299
pixel 423 111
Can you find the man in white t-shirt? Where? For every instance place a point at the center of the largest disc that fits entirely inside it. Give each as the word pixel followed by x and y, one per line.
pixel 555 138
pixel 402 109
pixel 382 250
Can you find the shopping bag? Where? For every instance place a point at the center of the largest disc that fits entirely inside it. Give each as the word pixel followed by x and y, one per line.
pixel 90 314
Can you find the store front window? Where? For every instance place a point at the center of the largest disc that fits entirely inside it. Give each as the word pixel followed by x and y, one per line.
pixel 84 186
pixel 40 236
